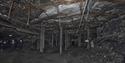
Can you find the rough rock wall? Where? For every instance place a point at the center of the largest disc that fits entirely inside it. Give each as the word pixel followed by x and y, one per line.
pixel 113 27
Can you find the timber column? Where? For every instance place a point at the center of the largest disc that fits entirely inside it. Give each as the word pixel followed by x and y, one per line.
pixel 79 40
pixel 52 40
pixel 61 40
pixel 66 40
pixel 42 39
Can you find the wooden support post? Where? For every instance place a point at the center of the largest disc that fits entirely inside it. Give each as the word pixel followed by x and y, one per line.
pixel 88 37
pixel 52 39
pixel 56 39
pixel 11 6
pixel 32 42
pixel 61 32
pixel 1 49
pixel 29 13
pixel 61 41
pixel 79 40
pixel 42 40
pixel 66 40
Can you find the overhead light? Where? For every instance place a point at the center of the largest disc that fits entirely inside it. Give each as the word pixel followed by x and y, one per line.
pixel 10 35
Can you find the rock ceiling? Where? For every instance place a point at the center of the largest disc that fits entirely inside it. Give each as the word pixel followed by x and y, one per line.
pixel 48 15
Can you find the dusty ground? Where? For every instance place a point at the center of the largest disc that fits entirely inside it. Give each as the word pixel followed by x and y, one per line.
pixel 77 55
pixel 30 57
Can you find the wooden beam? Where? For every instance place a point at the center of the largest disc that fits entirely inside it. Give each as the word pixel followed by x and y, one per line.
pixel 18 29
pixel 17 23
pixel 94 13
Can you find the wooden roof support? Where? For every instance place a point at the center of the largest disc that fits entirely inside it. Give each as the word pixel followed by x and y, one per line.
pixel 61 40
pixel 42 39
pixel 3 23
pixel 66 40
pixel 18 29
pixel 17 23
pixel 11 6
pixel 79 40
pixel 29 13
pixel 52 38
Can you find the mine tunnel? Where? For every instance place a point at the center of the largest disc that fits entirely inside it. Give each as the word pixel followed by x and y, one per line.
pixel 62 31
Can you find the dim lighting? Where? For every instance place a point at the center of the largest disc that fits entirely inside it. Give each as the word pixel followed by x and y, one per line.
pixel 21 41
pixel 10 35
pixel 4 42
pixel 86 40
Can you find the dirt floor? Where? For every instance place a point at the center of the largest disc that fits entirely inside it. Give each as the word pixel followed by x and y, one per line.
pixel 76 55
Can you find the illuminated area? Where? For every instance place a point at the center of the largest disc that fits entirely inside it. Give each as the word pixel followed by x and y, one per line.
pixel 62 31
pixel 66 1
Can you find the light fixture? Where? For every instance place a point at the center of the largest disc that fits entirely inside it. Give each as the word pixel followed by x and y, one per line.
pixel 10 35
